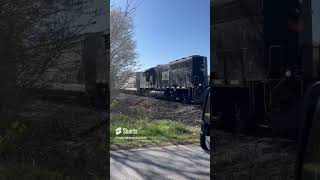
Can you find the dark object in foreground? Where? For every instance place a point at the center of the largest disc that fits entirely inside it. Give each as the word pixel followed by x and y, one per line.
pixel 205 125
pixel 308 158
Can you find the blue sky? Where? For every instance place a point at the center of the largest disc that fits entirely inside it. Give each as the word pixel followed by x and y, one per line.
pixel 170 29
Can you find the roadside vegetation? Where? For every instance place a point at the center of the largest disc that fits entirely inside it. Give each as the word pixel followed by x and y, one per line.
pixel 49 148
pixel 152 131
pixel 253 157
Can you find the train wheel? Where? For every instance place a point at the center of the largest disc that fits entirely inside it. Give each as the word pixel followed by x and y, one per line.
pixel 167 94
pixel 227 118
pixel 242 118
pixel 183 99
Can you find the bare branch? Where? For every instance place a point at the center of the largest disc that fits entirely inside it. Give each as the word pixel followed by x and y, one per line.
pixel 123 57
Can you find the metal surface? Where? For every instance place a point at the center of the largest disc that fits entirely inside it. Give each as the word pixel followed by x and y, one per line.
pixel 245 32
pixel 184 73
pixel 94 59
pixel 239 51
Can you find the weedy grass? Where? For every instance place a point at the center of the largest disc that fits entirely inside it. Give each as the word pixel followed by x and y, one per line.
pixel 28 171
pixel 23 157
pixel 150 132
pixel 253 158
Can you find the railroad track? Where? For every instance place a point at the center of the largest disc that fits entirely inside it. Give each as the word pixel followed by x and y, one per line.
pixel 157 96
pixel 70 94
pixel 260 131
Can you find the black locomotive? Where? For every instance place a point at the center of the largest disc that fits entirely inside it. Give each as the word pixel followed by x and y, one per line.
pixel 266 54
pixel 184 79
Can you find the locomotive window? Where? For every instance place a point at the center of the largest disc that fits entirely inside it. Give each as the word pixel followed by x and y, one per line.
pixel 274 61
pixel 107 41
pixel 196 80
pixel 316 58
pixel 315 22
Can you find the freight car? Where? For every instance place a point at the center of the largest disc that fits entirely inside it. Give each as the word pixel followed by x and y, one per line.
pixel 94 84
pixel 266 53
pixel 184 79
pixel 96 65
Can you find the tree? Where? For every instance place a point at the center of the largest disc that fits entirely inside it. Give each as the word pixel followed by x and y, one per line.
pixel 123 53
pixel 35 36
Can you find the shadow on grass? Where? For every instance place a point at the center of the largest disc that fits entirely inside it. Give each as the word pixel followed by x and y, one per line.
pixel 168 162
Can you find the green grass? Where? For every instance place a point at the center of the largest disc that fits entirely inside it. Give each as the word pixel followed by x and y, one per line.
pixel 311 171
pixel 150 132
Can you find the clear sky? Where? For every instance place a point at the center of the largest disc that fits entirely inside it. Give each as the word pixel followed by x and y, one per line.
pixel 171 29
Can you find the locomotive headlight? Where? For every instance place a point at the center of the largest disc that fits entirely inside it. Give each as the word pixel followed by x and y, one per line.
pixel 288 73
